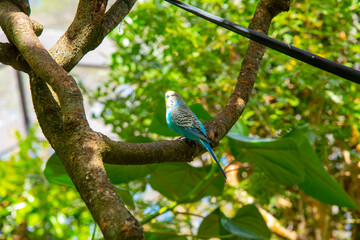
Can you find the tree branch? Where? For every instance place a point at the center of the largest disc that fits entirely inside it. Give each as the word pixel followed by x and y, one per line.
pixel 79 148
pixel 217 128
pixel 88 29
pixel 75 43
pixel 47 111
pixel 23 5
pixel 18 28
pixel 67 52
pixel 9 55
pixel 124 153
pixel 116 12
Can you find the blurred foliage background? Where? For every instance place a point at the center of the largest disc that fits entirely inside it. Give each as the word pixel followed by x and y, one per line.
pixel 298 119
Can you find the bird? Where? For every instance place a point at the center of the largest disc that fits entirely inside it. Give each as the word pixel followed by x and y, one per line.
pixel 182 120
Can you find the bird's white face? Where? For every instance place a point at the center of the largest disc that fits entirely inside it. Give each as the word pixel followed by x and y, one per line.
pixel 171 98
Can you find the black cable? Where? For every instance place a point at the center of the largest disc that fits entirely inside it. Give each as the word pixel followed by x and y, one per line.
pixel 302 55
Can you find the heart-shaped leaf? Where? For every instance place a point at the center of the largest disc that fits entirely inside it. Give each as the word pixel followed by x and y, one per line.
pixel 249 218
pixel 247 224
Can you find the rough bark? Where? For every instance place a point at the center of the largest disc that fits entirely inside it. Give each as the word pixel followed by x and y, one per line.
pixel 62 118
pixel 9 55
pixel 59 106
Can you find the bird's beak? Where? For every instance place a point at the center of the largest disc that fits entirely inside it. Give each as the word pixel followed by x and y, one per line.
pixel 166 100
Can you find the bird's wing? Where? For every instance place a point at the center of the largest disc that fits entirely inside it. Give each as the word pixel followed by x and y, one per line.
pixel 186 119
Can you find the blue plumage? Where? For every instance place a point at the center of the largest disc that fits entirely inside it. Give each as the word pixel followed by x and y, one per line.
pixel 182 120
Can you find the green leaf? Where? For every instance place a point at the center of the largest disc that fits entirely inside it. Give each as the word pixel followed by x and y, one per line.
pixel 158 124
pixel 200 112
pixel 125 173
pixel 249 218
pixel 175 180
pixel 211 225
pixel 318 183
pixel 239 128
pixel 125 196
pixel 55 172
pixel 238 230
pixel 278 158
pixel 247 223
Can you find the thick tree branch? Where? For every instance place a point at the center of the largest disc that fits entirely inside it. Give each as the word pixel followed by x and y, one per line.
pixel 78 146
pixel 116 12
pixel 75 43
pixel 88 29
pixel 23 5
pixel 18 28
pixel 86 169
pixel 9 55
pixel 217 128
pixel 48 112
pixel 144 153
pixel 69 50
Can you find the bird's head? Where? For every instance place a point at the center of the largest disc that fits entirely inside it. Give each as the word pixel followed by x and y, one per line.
pixel 172 99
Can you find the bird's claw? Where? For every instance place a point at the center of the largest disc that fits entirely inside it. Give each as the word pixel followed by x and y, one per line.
pixel 192 143
pixel 181 138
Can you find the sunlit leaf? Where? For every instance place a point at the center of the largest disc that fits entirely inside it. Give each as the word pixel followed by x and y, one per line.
pixel 55 172
pixel 318 183
pixel 239 128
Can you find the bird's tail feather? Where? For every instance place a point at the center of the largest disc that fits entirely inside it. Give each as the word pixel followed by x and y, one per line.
pixel 206 145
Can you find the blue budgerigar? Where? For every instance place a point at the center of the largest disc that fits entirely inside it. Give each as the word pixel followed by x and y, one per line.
pixel 182 120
